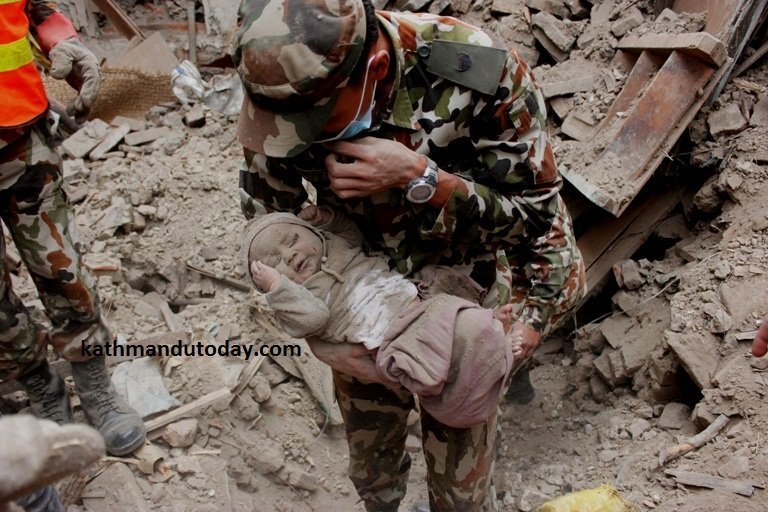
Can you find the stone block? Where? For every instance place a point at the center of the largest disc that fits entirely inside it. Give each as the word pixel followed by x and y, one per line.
pixel 507 6
pixel 627 274
pixel 556 7
pixel 698 354
pixel 569 77
pixel 80 143
pixel 145 136
pixel 136 125
pixel 556 30
pixel 579 126
pixel 561 106
pixel 195 118
pixel 726 121
pixel 631 19
pixel 114 136
pixel 616 329
pixel 760 113
pixel 674 416
pixel 181 434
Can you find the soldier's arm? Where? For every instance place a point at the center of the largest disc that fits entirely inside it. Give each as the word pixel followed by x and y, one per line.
pixel 48 24
pixel 263 183
pixel 509 196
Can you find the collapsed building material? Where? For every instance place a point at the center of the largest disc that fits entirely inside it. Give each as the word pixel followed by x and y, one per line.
pixel 694 442
pixel 711 482
pixel 119 19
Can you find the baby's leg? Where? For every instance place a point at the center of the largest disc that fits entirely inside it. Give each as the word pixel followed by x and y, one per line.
pixel 504 315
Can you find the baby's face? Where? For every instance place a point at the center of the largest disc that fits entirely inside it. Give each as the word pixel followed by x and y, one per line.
pixel 292 250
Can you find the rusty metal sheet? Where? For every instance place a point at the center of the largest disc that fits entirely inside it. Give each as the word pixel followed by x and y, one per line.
pixel 622 168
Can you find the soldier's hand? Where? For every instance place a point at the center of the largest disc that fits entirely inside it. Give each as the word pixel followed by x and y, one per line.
pixel 524 339
pixel 70 59
pixel 362 167
pixel 760 343
pixel 348 358
pixel 315 215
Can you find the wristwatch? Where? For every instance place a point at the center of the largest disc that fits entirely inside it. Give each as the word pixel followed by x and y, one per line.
pixel 421 189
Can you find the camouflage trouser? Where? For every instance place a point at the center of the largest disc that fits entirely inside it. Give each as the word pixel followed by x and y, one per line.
pixel 35 211
pixel 459 460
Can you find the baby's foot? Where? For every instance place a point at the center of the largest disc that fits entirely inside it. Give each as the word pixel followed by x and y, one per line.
pixel 504 315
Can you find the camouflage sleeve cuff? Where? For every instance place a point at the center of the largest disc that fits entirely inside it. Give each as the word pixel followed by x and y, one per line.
pixel 535 316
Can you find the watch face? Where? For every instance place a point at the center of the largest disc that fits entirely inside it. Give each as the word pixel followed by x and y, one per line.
pixel 420 193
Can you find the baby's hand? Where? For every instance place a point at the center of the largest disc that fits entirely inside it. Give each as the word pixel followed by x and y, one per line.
pixel 264 277
pixel 315 215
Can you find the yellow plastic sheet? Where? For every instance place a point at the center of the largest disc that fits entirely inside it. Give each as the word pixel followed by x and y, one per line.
pixel 601 499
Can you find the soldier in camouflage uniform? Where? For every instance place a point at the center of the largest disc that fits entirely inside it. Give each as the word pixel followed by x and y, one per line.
pixel 431 137
pixel 34 209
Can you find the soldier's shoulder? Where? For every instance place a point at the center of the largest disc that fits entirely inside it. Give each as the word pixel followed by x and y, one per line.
pixel 456 51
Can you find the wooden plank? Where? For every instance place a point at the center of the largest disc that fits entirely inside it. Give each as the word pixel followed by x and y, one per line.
pixel 642 72
pixel 616 239
pixel 749 61
pixel 188 409
pixel 701 45
pixel 119 19
pixel 720 13
pixel 652 123
pixel 671 93
pixel 711 482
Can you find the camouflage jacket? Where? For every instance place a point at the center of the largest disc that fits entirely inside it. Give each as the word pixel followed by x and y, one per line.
pixel 511 229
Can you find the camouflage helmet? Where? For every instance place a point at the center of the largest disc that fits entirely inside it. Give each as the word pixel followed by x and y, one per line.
pixel 293 57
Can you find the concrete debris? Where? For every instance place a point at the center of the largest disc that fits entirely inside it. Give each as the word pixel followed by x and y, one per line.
pixel 114 136
pixel 146 136
pixel 555 30
pixel 153 204
pixel 181 434
pixel 727 121
pixel 627 274
pixel 79 144
pixel 115 488
pixel 674 416
pixel 632 19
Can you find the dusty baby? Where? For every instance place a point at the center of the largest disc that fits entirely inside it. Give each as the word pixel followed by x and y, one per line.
pixel 448 350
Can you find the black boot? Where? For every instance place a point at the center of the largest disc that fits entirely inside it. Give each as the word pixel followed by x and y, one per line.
pixel 120 426
pixel 520 390
pixel 44 500
pixel 47 394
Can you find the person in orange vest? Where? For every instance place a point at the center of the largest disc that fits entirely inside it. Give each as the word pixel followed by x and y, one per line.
pixel 34 208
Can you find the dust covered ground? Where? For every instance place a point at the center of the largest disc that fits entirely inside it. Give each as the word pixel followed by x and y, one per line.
pixel 611 395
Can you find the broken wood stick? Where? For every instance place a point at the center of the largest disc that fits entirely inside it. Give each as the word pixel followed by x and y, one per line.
pixel 188 409
pixel 234 283
pixel 171 320
pixel 746 336
pixel 711 482
pixel 694 442
pixel 700 45
pixel 248 373
pixel 122 22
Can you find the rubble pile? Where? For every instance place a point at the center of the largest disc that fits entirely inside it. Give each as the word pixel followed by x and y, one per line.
pixel 159 219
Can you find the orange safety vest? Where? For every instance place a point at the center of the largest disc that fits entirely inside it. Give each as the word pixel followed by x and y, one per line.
pixel 22 95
